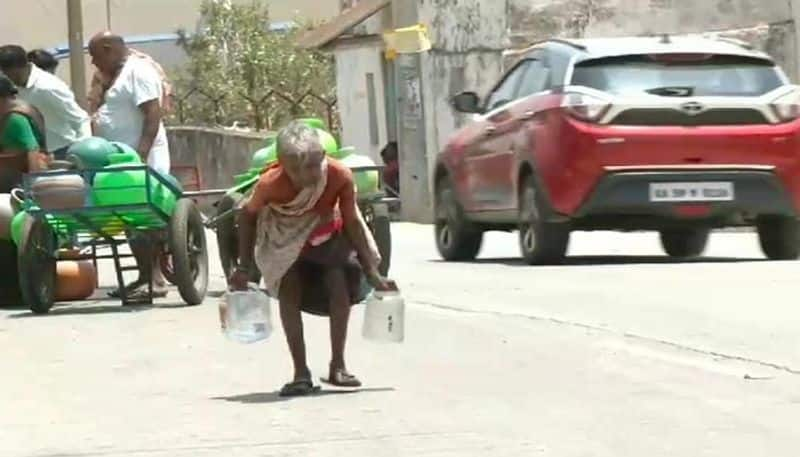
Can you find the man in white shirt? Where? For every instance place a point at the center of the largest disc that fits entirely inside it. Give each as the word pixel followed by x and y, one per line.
pixel 131 110
pixel 65 121
pixel 131 114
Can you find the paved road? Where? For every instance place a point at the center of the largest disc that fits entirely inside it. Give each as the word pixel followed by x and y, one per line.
pixel 618 353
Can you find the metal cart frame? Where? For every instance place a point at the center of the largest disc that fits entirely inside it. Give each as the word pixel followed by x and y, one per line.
pixel 92 227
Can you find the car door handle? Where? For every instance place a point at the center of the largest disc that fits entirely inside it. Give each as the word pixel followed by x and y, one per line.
pixel 490 130
pixel 528 115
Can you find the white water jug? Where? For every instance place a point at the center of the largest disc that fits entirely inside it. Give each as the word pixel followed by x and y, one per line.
pixel 384 317
pixel 246 315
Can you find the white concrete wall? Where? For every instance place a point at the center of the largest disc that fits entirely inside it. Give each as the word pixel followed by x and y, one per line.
pixel 767 24
pixel 353 63
pixel 532 19
pixel 468 38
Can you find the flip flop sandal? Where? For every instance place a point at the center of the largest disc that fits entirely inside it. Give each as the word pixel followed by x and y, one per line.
pixel 299 388
pixel 116 293
pixel 341 378
pixel 142 294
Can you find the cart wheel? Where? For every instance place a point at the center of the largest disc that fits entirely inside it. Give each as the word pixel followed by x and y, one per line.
pixel 36 262
pixel 228 240
pixel 187 243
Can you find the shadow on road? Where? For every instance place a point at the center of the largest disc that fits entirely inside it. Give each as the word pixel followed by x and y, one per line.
pixel 215 293
pixel 274 397
pixel 87 308
pixel 613 260
pixel 78 310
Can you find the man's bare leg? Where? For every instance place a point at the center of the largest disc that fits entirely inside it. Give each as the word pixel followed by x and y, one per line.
pixel 336 284
pixel 146 251
pixel 292 320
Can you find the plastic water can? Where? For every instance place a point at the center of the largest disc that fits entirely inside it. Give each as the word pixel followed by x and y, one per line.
pixel 246 316
pixel 366 181
pixel 384 317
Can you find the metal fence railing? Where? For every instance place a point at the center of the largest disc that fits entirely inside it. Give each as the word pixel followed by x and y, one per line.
pixel 264 112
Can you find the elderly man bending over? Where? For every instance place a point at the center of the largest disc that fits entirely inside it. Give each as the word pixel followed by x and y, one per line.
pixel 311 246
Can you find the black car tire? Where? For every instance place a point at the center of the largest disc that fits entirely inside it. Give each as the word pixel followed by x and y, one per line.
pixel 456 239
pixel 541 242
pixel 779 237
pixel 684 243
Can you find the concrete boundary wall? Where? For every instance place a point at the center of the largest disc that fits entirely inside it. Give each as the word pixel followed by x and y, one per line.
pixel 218 154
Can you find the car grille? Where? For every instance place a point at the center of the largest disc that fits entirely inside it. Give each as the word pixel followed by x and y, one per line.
pixel 716 116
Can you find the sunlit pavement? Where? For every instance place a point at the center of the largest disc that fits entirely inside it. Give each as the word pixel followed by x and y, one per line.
pixel 621 352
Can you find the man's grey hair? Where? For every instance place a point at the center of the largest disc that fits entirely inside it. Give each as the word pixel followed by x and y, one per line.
pixel 296 140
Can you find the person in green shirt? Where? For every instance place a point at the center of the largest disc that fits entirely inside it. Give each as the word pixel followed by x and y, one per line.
pixel 22 149
pixel 18 134
pixel 22 141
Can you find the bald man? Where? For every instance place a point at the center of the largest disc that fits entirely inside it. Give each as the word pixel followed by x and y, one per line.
pixel 131 114
pixel 101 81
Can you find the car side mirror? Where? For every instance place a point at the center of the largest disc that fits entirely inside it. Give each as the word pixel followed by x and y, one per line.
pixel 467 102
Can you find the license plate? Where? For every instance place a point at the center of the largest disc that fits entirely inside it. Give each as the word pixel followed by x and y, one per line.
pixel 691 191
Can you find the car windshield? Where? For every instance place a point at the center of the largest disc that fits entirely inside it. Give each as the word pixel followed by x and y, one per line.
pixel 658 75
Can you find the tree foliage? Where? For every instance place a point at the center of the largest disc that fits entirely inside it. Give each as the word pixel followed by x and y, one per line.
pixel 241 72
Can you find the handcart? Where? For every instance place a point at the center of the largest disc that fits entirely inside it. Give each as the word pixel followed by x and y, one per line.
pixel 84 210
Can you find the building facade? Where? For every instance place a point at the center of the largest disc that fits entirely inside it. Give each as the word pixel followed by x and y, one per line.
pixel 407 99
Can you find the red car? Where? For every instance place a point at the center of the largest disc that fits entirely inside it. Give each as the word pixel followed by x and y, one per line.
pixel 675 135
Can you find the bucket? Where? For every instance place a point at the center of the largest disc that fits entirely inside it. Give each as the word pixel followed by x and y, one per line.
pixel 384 317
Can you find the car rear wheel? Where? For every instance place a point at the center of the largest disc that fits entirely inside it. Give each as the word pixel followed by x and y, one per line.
pixel 684 243
pixel 541 242
pixel 456 239
pixel 779 237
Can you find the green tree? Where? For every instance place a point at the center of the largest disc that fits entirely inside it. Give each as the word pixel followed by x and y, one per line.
pixel 240 71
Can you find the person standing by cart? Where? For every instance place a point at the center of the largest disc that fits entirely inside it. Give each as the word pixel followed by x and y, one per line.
pixel 302 224
pixel 101 82
pixel 22 150
pixel 23 146
pixel 66 122
pixel 131 113
pixel 44 60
